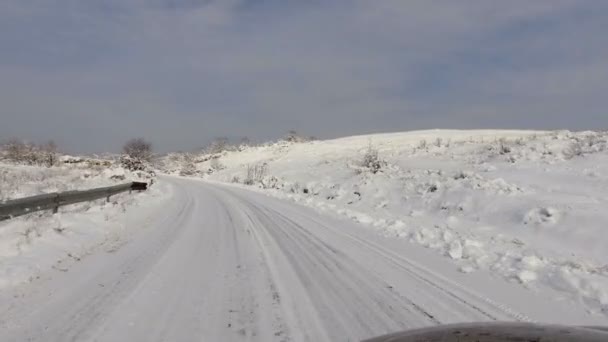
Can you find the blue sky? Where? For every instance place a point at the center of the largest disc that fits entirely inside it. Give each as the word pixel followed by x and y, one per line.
pixel 92 74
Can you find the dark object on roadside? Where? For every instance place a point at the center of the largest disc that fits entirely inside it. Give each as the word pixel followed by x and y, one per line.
pixel 140 186
pixel 499 332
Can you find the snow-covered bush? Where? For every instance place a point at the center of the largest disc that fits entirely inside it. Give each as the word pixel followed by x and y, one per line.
pixel 133 164
pixel 575 149
pixel 503 147
pixel 216 165
pixel 269 182
pixel 255 173
pixel 20 152
pixel 218 145
pixel 137 155
pixel 188 165
pixel 371 160
pixel 582 144
pixel 422 145
pixel 293 137
pixel 138 149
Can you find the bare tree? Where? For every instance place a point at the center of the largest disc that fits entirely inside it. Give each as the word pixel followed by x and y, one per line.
pixel 371 159
pixel 138 149
pixel 15 150
pixel 19 151
pixel 218 145
pixel 49 154
pixel 216 165
pixel 255 173
pixel 245 141
pixel 293 136
pixel 188 165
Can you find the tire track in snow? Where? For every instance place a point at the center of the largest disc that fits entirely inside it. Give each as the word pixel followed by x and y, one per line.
pixel 425 275
pixel 449 288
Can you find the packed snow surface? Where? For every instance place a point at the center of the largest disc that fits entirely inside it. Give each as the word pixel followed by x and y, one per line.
pixel 219 263
pixel 528 206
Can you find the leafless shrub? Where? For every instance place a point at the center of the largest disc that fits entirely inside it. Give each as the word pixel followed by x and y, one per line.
pixel 371 160
pixel 422 145
pixel 461 175
pixel 503 148
pixel 255 173
pixel 49 153
pixel 438 142
pixel 216 165
pixel 271 182
pixel 293 137
pixel 244 143
pixel 16 150
pixel 132 164
pixel 596 142
pixel 188 165
pixel 575 149
pixel 137 155
pixel 21 152
pixel 138 149
pixel 218 145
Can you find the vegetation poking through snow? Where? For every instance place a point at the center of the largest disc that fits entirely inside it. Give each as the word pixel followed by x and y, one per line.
pixel 188 166
pixel 20 152
pixel 255 174
pixel 371 160
pixel 138 149
pixel 137 155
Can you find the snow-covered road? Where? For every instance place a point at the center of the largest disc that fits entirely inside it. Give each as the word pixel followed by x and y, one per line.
pixel 224 264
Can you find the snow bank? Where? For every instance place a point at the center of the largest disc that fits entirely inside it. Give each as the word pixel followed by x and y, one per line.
pixel 526 205
pixel 34 244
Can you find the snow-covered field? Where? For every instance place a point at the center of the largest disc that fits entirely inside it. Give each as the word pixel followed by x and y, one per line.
pixel 529 207
pixel 35 243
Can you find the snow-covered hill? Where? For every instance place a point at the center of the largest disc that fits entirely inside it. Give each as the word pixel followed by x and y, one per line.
pixel 528 206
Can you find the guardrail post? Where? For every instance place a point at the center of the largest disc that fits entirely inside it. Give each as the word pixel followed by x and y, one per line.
pixel 56 208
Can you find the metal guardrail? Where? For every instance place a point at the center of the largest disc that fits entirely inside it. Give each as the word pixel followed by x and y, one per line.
pixel 53 201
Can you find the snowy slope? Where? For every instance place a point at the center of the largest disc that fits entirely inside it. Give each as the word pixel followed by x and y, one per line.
pixel 525 205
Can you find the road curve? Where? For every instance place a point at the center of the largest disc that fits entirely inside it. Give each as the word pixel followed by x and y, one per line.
pixel 225 264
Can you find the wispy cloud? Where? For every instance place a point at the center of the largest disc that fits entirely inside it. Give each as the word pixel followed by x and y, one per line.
pixel 92 74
